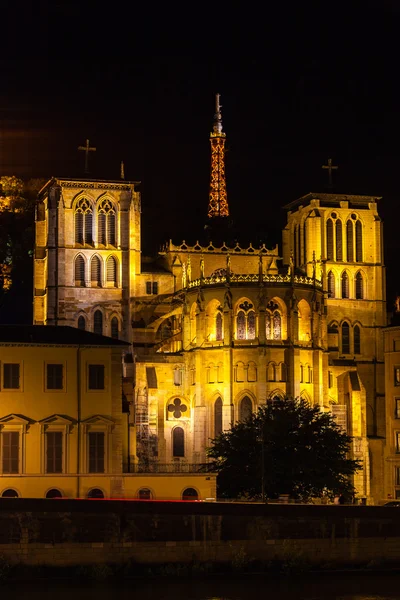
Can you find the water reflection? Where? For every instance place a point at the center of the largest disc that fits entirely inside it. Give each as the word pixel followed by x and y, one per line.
pixel 355 586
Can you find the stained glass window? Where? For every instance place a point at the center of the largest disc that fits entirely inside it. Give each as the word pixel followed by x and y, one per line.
pixel 277 326
pixel 268 325
pixel 251 325
pixel 241 325
pixel 218 327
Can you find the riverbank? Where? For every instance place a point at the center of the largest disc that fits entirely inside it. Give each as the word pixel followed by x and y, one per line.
pixel 101 539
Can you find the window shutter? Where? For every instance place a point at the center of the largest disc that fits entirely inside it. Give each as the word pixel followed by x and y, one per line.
pixel 111 270
pixel 101 228
pixel 111 229
pixel 329 239
pixel 350 241
pixel 79 270
pixel 79 228
pixel 88 228
pixel 98 322
pixel 95 271
pixel 358 241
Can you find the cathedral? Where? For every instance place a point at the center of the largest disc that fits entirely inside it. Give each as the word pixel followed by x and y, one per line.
pixel 217 327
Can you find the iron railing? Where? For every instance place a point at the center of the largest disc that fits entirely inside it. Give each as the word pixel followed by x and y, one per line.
pixel 175 467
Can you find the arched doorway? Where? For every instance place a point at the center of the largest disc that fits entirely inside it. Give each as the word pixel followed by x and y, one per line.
pixel 95 493
pixel 10 494
pixel 190 494
pixel 54 493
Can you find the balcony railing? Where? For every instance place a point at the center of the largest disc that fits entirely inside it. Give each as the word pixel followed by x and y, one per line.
pixel 175 467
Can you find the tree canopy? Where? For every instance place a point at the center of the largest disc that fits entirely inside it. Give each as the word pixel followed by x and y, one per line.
pixel 17 218
pixel 287 447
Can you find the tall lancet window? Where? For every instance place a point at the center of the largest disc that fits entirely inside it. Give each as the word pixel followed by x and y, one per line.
pixel 217 417
pixel 339 240
pixel 329 239
pixel 245 409
pixel 112 271
pixel 305 242
pixel 350 241
pixel 345 338
pixel 345 285
pixel 277 325
pixel 83 222
pixel 218 326
pixel 359 241
pixel 357 339
pixel 79 271
pixel 95 271
pixel 359 286
pixel 268 333
pixel 241 325
pixel 98 322
pixel 251 325
pixel 331 285
pixel 114 328
pixel 106 223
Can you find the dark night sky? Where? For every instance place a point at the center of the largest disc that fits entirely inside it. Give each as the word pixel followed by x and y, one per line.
pixel 300 82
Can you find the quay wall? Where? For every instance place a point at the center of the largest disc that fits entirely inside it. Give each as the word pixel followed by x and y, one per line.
pixel 87 532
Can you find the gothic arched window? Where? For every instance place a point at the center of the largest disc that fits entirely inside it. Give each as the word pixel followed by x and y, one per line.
pixel 277 326
pixel 245 409
pixel 350 241
pixel 112 270
pixel 359 286
pixel 241 325
pixel 218 417
pixel 98 322
pixel 245 322
pixel 114 328
pixel 79 271
pixel 329 239
pixel 345 285
pixel 305 242
pixel 95 271
pixel 339 240
pixel 358 241
pixel 82 323
pixel 268 325
pixel 357 339
pixel 83 222
pixel 218 326
pixel 178 442
pixel 106 223
pixel 345 338
pixel 331 285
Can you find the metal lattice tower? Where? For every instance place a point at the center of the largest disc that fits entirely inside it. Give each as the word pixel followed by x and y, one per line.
pixel 218 203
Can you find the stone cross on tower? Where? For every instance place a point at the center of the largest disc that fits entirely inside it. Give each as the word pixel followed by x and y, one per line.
pixel 87 149
pixel 330 168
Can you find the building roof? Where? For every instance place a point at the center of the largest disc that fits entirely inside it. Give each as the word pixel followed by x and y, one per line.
pixel 54 335
pixel 332 200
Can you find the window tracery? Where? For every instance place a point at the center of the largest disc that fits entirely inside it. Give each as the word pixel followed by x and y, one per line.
pixel 106 223
pixel 83 222
pixel 245 322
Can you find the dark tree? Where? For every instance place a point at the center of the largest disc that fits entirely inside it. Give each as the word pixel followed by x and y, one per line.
pixel 287 447
pixel 17 220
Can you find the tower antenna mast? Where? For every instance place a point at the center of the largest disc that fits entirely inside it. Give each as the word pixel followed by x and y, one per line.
pixel 218 202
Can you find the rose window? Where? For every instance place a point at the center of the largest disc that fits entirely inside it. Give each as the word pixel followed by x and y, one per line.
pixel 177 408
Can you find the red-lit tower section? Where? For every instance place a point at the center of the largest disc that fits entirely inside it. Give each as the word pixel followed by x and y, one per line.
pixel 218 203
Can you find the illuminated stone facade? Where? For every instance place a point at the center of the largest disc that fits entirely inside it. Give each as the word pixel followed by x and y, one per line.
pixel 217 331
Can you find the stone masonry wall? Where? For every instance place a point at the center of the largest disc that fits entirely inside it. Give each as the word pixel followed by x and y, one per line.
pixel 72 532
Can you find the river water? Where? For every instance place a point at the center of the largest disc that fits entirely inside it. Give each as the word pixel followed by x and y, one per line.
pixel 353 586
